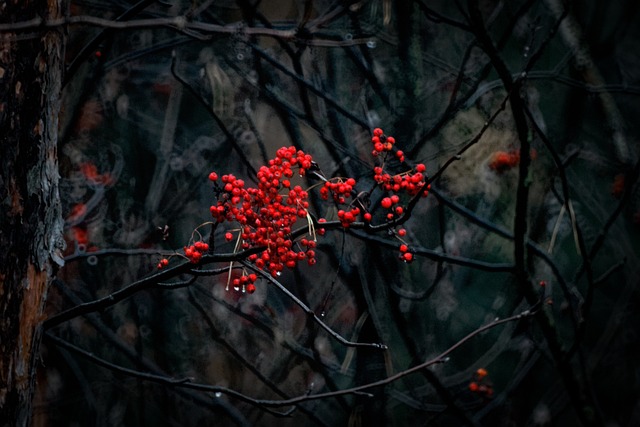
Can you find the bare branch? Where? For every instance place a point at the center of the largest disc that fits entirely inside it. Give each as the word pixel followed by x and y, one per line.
pixel 358 390
pixel 308 311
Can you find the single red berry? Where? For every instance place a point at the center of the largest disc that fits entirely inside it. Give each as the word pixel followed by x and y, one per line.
pixel 407 256
pixel 228 237
pixel 386 203
pixel 251 288
pixel 473 386
pixel 213 176
pixel 367 217
pixel 402 232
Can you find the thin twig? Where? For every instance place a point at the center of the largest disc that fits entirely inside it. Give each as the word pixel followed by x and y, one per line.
pixel 308 311
pixel 187 382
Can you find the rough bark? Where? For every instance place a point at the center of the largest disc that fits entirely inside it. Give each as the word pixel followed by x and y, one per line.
pixel 30 214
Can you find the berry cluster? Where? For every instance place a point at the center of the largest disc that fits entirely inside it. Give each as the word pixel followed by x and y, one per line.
pixel 246 282
pixel 405 255
pixel 348 217
pixel 481 384
pixel 502 161
pixel 268 212
pixel 383 144
pixel 192 252
pixel 410 182
pixel 341 190
pixel 195 251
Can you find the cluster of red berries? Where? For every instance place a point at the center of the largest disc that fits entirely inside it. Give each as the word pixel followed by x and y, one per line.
pixel 195 251
pixel 192 252
pixel 405 254
pixel 341 190
pixel 481 384
pixel 268 212
pixel 348 217
pixel 384 144
pixel 246 282
pixel 411 183
pixel 502 161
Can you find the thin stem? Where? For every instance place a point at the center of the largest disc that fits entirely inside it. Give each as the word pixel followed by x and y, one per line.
pixel 309 311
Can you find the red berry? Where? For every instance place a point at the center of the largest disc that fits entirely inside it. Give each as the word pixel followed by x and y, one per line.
pixel 213 176
pixel 251 288
pixel 386 203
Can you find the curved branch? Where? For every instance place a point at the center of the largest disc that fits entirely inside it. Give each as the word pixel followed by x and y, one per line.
pixel 308 310
pixel 265 403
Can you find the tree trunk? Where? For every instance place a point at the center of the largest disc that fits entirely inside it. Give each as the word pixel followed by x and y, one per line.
pixel 30 212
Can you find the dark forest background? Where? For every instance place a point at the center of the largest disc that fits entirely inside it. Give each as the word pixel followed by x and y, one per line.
pixel 150 109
